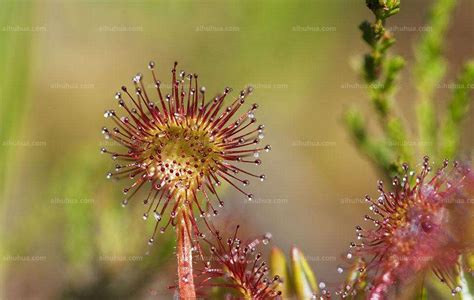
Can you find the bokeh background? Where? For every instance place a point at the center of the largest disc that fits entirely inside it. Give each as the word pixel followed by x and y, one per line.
pixel 64 234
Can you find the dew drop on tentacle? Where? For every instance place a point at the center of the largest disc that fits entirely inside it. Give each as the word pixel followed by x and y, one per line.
pixel 107 114
pixel 266 238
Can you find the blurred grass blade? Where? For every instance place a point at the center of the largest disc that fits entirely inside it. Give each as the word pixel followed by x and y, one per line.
pixel 429 70
pixel 305 283
pixel 15 52
pixel 467 286
pixel 422 294
pixel 457 110
pixel 466 278
pixel 14 66
pixel 279 266
pixel 75 190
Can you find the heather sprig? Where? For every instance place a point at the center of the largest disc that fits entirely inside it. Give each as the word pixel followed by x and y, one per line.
pixel 429 70
pixel 380 71
pixel 457 109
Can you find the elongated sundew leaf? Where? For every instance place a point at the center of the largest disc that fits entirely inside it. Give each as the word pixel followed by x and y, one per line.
pixel 429 70
pixel 279 266
pixel 457 110
pixel 305 283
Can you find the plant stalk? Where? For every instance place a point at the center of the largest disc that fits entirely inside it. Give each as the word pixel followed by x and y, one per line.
pixel 185 260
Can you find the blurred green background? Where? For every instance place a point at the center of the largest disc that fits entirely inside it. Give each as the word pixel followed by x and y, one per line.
pixel 64 233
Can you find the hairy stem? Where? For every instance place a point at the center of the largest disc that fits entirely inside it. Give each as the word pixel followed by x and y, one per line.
pixel 185 260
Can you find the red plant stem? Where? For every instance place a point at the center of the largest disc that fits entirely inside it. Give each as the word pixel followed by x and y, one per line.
pixel 185 260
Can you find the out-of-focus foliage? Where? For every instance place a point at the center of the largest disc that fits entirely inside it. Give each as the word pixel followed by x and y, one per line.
pixel 466 279
pixel 380 71
pixel 298 278
pixel 15 52
pixel 458 108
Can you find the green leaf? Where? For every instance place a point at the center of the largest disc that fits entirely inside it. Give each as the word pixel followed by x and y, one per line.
pixel 378 151
pixel 428 127
pixel 279 266
pixel 356 125
pixel 15 61
pixel 383 8
pixel 394 66
pixel 398 139
pixel 368 33
pixel 430 65
pixel 422 294
pixel 466 279
pixel 429 70
pixel 304 280
pixel 457 111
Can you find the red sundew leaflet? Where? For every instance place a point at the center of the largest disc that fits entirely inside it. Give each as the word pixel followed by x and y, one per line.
pixel 237 264
pixel 418 227
pixel 180 145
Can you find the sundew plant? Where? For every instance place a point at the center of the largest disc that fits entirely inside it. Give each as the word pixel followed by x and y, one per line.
pixel 265 150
